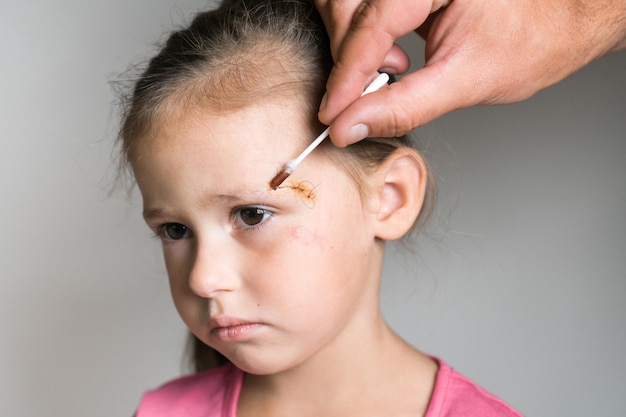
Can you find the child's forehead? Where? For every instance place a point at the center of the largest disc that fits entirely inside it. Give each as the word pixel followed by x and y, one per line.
pixel 273 118
pixel 268 130
pixel 274 101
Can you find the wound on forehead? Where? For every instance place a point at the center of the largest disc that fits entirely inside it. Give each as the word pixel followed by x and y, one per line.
pixel 303 189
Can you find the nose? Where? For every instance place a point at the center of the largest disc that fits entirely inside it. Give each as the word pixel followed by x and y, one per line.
pixel 214 269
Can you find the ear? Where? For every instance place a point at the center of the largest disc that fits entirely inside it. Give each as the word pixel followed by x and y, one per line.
pixel 400 189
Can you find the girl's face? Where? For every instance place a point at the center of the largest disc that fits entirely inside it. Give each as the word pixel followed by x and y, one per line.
pixel 268 278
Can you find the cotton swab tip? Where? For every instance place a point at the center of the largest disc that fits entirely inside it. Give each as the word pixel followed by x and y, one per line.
pixel 284 174
pixel 279 178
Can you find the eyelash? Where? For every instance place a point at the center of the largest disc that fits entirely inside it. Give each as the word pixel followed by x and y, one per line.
pixel 162 233
pixel 238 223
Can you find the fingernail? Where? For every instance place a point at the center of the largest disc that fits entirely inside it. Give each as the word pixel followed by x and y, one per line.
pixel 357 132
pixel 323 103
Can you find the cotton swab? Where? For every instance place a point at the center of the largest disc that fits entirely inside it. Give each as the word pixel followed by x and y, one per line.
pixel 293 164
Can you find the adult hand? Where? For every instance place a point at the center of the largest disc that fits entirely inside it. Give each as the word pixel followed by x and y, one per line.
pixel 477 52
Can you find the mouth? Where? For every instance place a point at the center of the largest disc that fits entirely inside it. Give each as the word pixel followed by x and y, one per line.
pixel 228 329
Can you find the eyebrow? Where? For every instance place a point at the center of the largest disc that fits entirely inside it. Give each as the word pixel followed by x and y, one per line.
pixel 155 213
pixel 232 200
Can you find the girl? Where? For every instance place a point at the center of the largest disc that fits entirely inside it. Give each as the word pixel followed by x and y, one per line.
pixel 280 286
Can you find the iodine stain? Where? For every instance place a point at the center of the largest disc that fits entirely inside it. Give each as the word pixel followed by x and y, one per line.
pixel 304 190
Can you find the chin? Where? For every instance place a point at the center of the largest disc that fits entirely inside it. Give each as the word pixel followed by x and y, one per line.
pixel 261 364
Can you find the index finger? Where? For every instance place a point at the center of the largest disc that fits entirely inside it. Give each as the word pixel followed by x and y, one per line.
pixel 370 37
pixel 337 17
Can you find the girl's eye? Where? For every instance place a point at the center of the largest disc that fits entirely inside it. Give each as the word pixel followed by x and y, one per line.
pixel 174 231
pixel 251 216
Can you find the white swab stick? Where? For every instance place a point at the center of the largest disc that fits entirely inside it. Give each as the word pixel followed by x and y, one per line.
pixel 293 164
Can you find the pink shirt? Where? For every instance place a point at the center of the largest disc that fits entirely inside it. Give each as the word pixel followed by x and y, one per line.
pixel 214 393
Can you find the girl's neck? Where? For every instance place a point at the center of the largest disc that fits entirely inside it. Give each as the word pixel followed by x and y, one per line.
pixel 371 372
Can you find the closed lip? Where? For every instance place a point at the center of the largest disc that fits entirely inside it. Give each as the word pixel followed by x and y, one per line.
pixel 230 329
pixel 222 322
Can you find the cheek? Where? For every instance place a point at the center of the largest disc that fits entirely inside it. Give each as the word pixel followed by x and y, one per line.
pixel 300 248
pixel 178 263
pixel 306 236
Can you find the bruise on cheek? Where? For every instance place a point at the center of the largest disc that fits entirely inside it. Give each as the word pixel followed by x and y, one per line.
pixel 306 235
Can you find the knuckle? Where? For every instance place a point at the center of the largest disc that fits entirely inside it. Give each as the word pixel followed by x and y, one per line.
pixel 407 113
pixel 396 123
pixel 403 122
pixel 366 15
pixel 338 15
pixel 368 19
pixel 397 117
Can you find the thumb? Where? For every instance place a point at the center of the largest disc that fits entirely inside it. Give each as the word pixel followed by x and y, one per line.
pixel 415 100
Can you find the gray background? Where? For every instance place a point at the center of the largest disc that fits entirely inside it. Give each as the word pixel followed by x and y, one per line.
pixel 519 282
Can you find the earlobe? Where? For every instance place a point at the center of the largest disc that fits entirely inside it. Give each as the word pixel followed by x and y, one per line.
pixel 401 188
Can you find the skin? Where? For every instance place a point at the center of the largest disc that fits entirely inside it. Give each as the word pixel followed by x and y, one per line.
pixel 477 52
pixel 306 278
